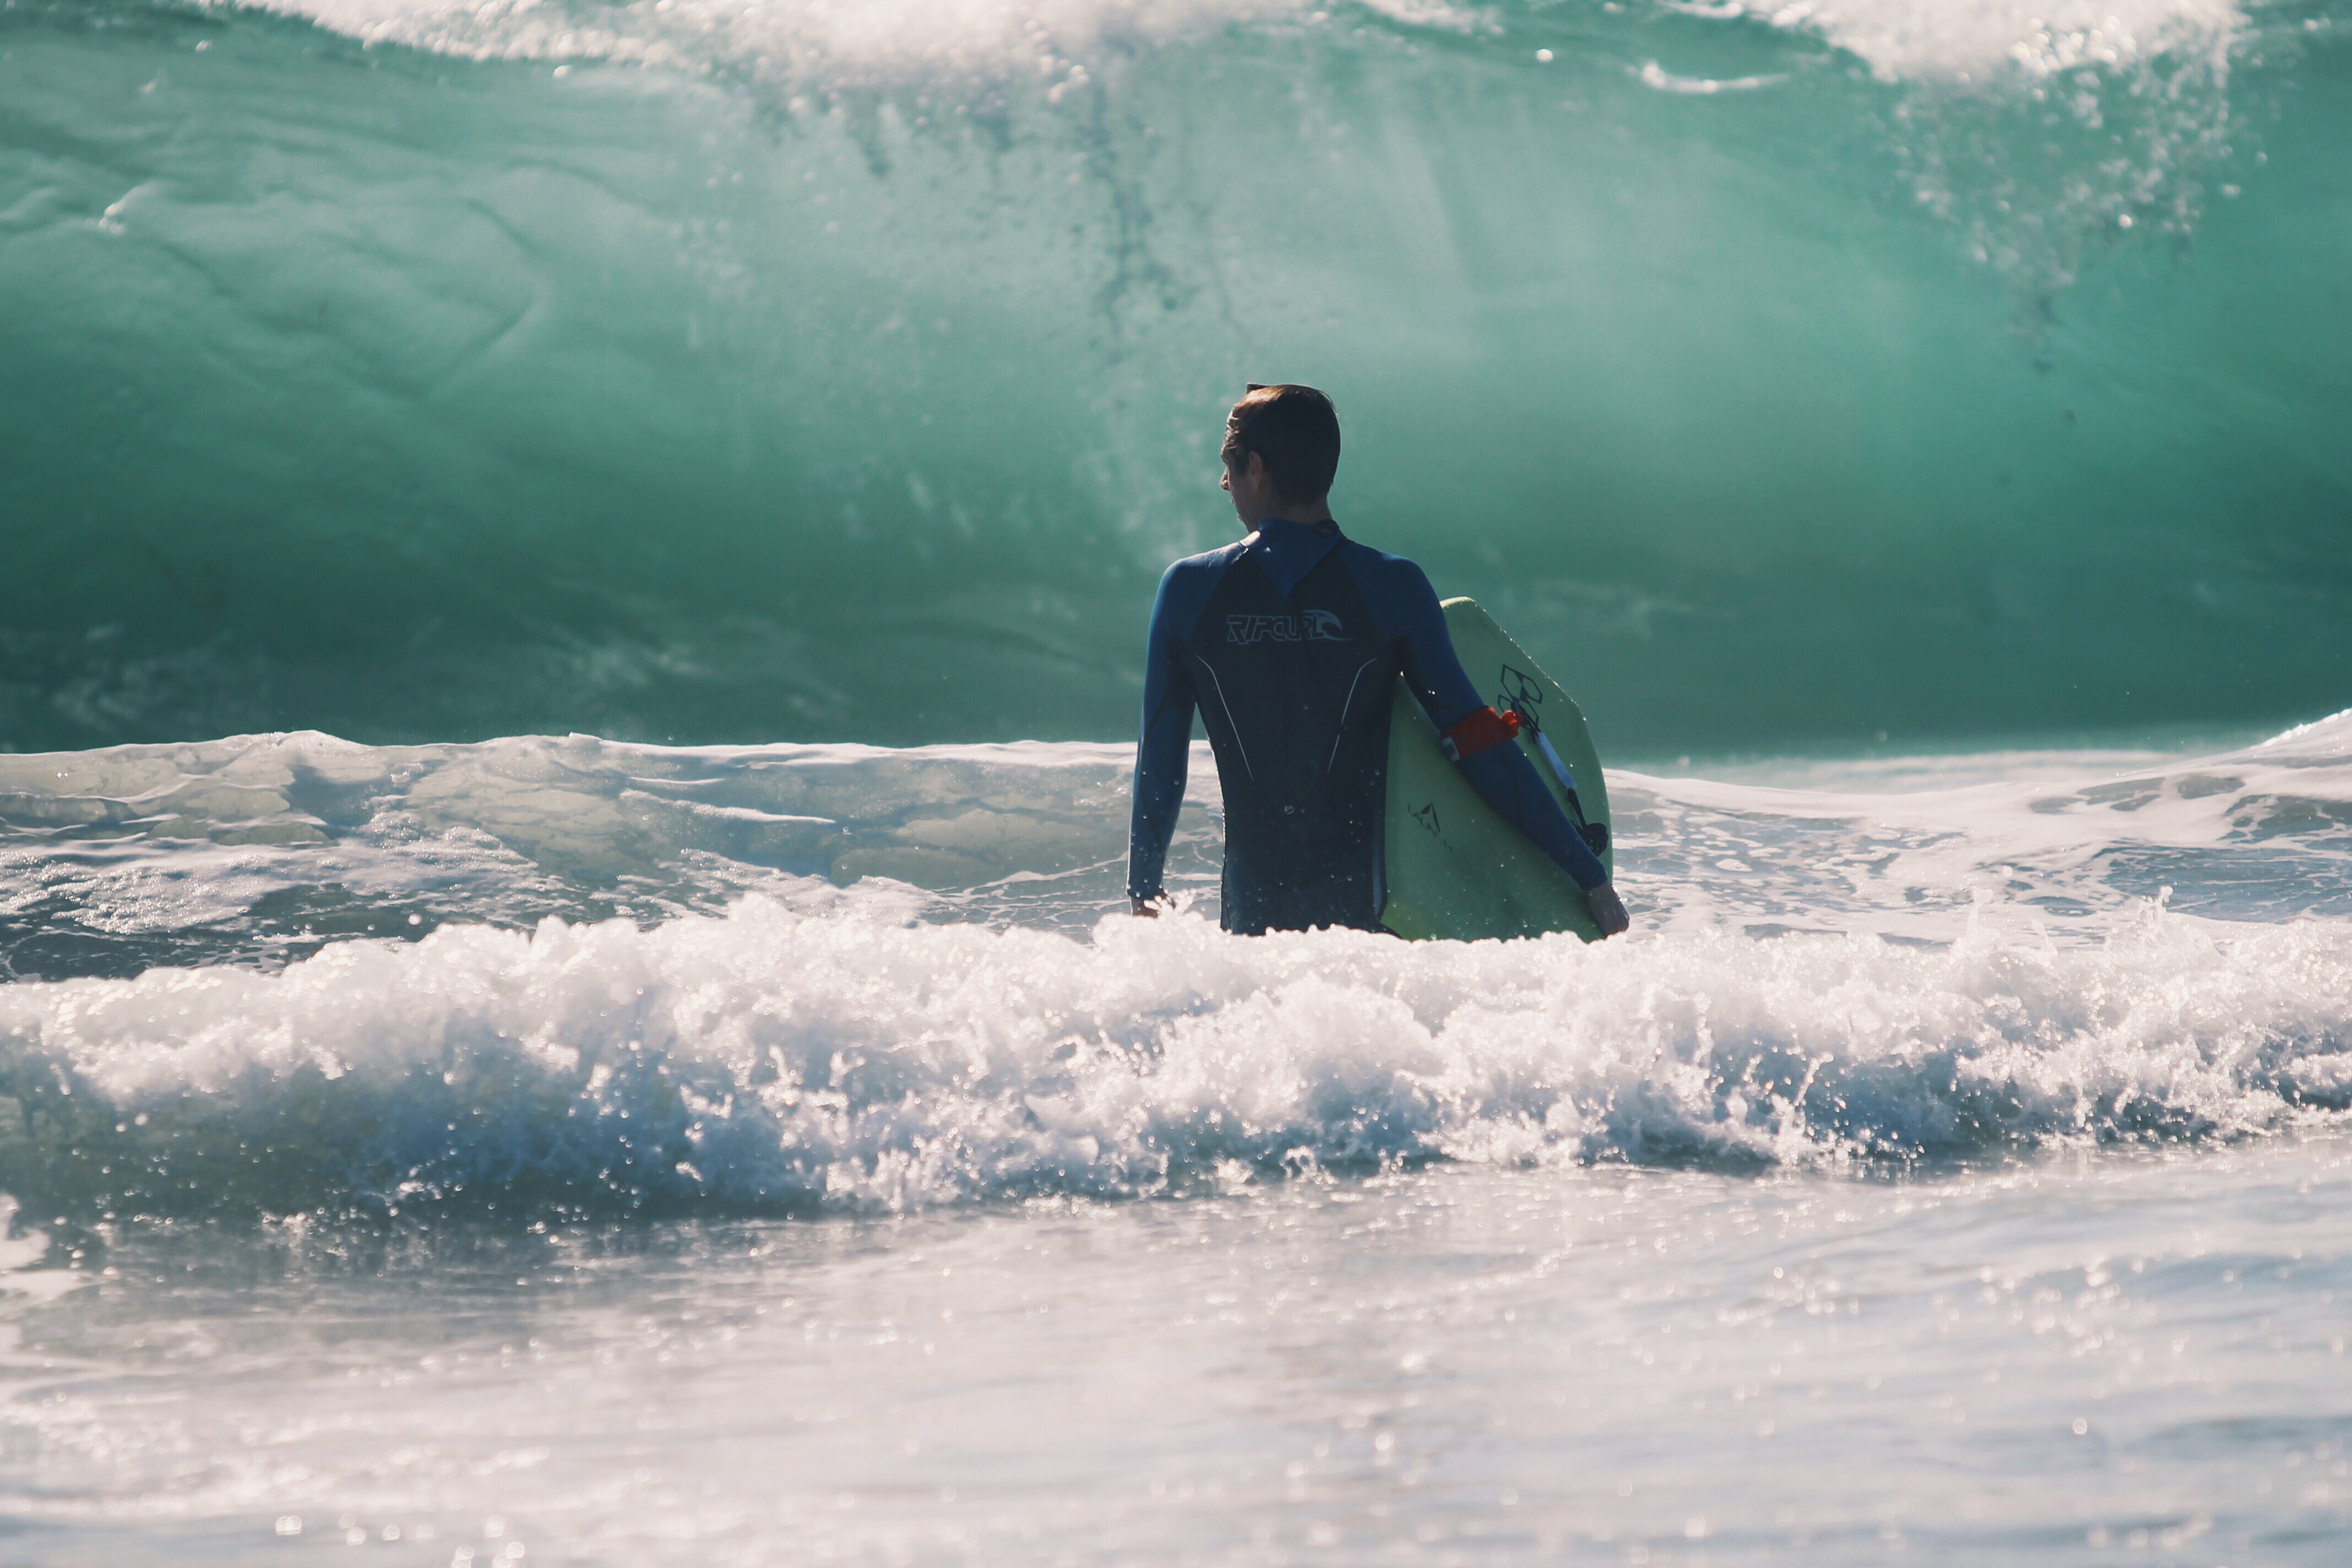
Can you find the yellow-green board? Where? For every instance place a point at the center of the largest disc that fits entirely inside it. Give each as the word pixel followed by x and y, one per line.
pixel 1455 870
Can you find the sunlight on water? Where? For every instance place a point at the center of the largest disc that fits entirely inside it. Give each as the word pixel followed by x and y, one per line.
pixel 479 1144
pixel 2043 1363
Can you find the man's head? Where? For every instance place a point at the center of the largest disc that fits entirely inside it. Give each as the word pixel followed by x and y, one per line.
pixel 1282 448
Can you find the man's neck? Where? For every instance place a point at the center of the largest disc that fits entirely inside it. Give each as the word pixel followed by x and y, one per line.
pixel 1303 517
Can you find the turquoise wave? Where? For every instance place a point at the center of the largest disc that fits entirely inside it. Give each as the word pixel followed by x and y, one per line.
pixel 673 372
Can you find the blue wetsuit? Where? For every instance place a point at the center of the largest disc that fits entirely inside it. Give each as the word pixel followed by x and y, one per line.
pixel 1290 642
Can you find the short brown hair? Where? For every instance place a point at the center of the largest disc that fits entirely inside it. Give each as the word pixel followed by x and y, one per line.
pixel 1295 431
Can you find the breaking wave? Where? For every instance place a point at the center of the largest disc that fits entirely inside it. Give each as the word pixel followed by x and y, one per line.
pixel 770 1059
pixel 684 370
pixel 562 976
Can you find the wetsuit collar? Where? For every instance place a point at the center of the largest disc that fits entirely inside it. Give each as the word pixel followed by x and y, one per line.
pixel 1286 552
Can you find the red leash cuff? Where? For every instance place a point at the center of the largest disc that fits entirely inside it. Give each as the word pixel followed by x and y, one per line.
pixel 1482 730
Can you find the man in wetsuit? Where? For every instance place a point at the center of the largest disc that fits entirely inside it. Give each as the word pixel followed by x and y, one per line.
pixel 1289 642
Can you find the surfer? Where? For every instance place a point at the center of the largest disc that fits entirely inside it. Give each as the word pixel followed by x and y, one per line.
pixel 1289 642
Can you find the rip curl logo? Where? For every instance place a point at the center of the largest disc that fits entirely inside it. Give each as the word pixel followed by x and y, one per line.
pixel 1308 626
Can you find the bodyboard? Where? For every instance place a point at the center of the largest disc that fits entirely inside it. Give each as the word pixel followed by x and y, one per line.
pixel 1455 870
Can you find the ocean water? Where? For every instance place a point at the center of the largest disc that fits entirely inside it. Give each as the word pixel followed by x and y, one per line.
pixel 568 649
pixel 742 370
pixel 573 1152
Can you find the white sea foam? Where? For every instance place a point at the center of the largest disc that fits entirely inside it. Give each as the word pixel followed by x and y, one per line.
pixel 1947 39
pixel 885 37
pixel 767 1057
pixel 873 978
pixel 1652 75
pixel 1899 38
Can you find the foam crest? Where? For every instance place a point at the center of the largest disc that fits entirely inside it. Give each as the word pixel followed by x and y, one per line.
pixel 782 38
pixel 1914 38
pixel 772 1059
pixel 1898 38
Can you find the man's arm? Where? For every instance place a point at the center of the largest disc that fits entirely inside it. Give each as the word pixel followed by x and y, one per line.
pixel 1501 773
pixel 1163 756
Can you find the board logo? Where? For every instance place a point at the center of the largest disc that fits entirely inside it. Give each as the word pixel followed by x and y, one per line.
pixel 1308 626
pixel 1427 816
pixel 1521 695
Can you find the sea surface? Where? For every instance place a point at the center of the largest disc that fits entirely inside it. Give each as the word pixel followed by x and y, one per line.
pixel 796 1153
pixel 572 581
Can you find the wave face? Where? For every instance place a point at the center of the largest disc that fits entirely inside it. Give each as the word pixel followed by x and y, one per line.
pixel 685 371
pixel 571 976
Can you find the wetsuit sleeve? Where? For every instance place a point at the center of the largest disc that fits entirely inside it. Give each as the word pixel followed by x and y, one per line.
pixel 1165 751
pixel 1502 775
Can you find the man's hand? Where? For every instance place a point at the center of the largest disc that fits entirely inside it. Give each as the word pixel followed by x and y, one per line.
pixel 1143 909
pixel 1608 910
